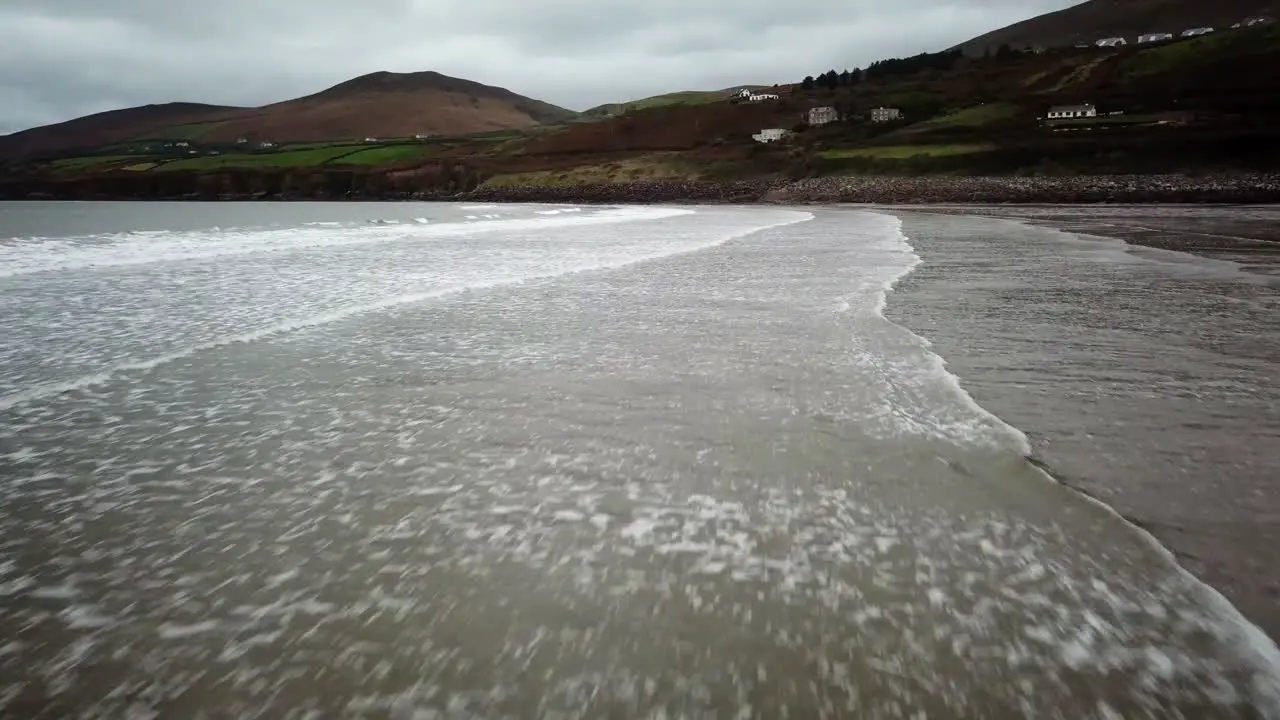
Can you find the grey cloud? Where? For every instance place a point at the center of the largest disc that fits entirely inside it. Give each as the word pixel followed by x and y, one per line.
pixel 69 58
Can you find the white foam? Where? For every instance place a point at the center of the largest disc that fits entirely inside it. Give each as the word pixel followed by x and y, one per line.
pixel 174 631
pixel 282 327
pixel 938 365
pixel 126 249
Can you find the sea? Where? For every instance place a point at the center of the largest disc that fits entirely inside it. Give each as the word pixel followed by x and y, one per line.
pixel 426 460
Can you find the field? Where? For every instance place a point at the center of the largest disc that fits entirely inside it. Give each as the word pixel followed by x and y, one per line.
pixel 902 152
pixel 292 158
pixel 75 164
pixel 290 155
pixel 386 155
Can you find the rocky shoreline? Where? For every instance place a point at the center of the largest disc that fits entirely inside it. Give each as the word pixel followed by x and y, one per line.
pixel 1256 188
pixel 1248 189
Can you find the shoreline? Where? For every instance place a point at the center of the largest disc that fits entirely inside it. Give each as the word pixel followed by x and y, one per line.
pixel 1253 244
pixel 1239 188
pixel 1250 189
pixel 1250 631
pixel 1194 540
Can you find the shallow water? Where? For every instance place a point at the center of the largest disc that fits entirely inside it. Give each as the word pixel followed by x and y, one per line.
pixel 1144 377
pixel 598 462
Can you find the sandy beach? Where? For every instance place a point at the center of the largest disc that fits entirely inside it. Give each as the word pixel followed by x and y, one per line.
pixel 1192 459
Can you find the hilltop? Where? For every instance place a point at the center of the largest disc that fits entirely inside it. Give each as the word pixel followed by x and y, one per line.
pixel 1096 19
pixel 386 104
pixel 381 104
pixel 682 97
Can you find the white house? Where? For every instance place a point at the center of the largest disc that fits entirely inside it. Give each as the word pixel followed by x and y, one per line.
pixel 182 144
pixel 1155 37
pixel 1250 22
pixel 1195 32
pixel 371 139
pixel 266 144
pixel 1112 42
pixel 745 95
pixel 242 141
pixel 769 135
pixel 884 114
pixel 822 115
pixel 421 136
pixel 1062 112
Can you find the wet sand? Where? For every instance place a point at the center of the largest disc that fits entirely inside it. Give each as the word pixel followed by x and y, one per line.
pixel 1194 458
pixel 1247 234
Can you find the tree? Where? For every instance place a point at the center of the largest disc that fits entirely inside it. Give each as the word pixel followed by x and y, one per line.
pixel 845 78
pixel 808 82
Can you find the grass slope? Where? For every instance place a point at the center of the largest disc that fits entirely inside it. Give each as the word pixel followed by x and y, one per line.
pixel 78 164
pixel 971 117
pixel 295 158
pixel 387 155
pixel 683 97
pixel 1202 50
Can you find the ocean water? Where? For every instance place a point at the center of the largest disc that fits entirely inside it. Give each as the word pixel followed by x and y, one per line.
pixel 425 461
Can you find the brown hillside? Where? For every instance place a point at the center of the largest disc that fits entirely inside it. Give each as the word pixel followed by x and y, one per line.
pixel 390 105
pixel 1096 19
pixel 105 128
pixel 378 105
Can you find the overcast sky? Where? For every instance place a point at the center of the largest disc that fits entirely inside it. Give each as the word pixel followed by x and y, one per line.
pixel 61 59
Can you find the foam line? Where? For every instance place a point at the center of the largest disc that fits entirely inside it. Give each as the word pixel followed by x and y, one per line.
pixel 137 248
pixel 938 365
pixel 1264 653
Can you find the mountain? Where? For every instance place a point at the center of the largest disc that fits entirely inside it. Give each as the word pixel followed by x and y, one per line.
pixel 105 128
pixel 1095 19
pixel 381 104
pixel 385 104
